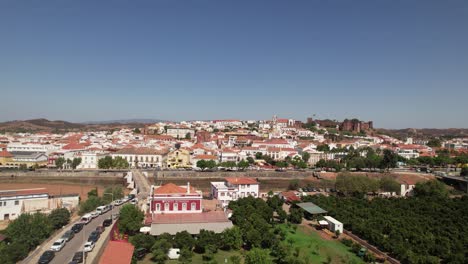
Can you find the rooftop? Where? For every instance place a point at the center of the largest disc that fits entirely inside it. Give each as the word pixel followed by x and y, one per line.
pixel 311 208
pixel 117 252
pixel 241 180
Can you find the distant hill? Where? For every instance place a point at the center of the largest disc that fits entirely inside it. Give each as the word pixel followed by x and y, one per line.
pixel 424 133
pixel 126 121
pixel 58 126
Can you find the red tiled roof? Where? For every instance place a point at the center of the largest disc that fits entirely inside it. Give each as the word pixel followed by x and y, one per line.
pixel 205 217
pixel 172 188
pixel 5 154
pixel 290 196
pixel 241 180
pixel 117 252
pixel 73 146
pixel 205 157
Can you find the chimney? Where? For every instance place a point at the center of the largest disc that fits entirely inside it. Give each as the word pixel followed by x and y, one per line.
pixel 188 187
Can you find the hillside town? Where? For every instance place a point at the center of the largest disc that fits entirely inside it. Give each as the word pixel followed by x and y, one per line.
pixel 194 179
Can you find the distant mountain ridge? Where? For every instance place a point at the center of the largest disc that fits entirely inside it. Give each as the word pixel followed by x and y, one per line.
pixel 59 126
pixel 125 121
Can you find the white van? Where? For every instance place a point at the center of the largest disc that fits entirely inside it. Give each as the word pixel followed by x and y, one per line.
pixel 101 209
pixel 85 219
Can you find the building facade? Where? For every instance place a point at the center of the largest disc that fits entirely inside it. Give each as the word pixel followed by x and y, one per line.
pixel 234 188
pixel 173 199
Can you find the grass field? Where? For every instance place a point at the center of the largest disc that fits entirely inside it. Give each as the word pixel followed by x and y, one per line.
pixel 318 250
pixel 312 247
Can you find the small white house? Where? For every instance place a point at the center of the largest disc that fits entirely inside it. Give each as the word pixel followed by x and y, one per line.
pixel 174 253
pixel 333 224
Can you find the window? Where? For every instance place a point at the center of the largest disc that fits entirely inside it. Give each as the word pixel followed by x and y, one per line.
pixel 16 202
pixel 158 207
pixel 242 186
pixel 176 207
pixel 166 207
pixel 184 206
pixel 248 185
pixel 193 206
pixel 222 194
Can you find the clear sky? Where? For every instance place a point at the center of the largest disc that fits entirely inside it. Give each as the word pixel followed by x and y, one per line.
pixel 399 63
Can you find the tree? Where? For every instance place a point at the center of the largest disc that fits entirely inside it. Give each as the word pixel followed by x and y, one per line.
pixel 258 256
pixel 464 171
pixel 295 215
pixel 30 230
pixel 188 136
pixel 389 184
pixel 232 238
pixel 258 155
pixel 305 156
pixel 185 255
pixel 210 164
pixel 105 163
pixel 389 159
pixel 324 148
pixel 356 185
pixel 432 188
pixel 184 240
pixel 90 204
pixel 243 164
pixel 159 255
pixel 116 191
pixel 75 162
pixel 201 164
pixel 250 160
pixel 119 163
pixel 205 239
pixel 59 162
pixel 137 131
pixel 434 143
pixel 131 219
pixel 59 217
pixel 142 241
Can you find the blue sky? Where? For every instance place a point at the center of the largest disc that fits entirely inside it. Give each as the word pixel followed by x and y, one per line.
pixel 399 63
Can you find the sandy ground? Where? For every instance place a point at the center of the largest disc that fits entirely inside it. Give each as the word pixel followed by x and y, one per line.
pixel 54 189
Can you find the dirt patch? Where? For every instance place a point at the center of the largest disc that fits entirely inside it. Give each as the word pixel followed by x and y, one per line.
pixel 55 189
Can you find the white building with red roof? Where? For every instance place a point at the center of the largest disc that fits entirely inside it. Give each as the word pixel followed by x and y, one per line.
pixel 173 199
pixel 234 188
pixel 176 208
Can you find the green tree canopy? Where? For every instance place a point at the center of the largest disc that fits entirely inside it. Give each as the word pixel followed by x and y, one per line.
pixel 59 217
pixel 258 256
pixel 131 219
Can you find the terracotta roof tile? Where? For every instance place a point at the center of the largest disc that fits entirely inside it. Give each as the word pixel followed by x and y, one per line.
pixel 171 188
pixel 241 180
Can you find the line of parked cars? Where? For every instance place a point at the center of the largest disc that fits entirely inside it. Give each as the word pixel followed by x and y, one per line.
pixel 59 244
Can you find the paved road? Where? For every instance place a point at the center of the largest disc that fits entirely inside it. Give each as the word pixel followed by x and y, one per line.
pixel 76 244
pixel 142 184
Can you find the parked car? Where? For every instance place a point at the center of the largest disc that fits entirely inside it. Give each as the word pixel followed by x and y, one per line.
pixel 94 236
pixel 46 257
pixel 107 222
pixel 95 214
pixel 131 196
pixel 77 227
pixel 140 253
pixel 100 229
pixel 78 257
pixel 115 216
pixel 58 244
pixel 134 201
pixel 88 246
pixel 85 219
pixel 118 202
pixel 68 235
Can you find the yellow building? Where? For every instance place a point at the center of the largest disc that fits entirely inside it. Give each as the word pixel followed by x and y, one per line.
pixel 179 158
pixel 6 158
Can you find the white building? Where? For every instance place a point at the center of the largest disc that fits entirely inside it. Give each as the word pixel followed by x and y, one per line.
pixel 20 147
pixel 143 157
pixel 16 202
pixel 333 224
pixel 89 160
pixel 233 189
pixel 180 132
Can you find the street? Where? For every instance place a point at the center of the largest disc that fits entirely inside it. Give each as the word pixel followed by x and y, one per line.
pixel 76 244
pixel 142 184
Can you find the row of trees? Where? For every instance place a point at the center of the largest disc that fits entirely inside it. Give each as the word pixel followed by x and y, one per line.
pixel 427 228
pixel 28 231
pixel 113 163
pixel 60 162
pixel 94 200
pixel 359 185
pixel 363 158
pixel 442 160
